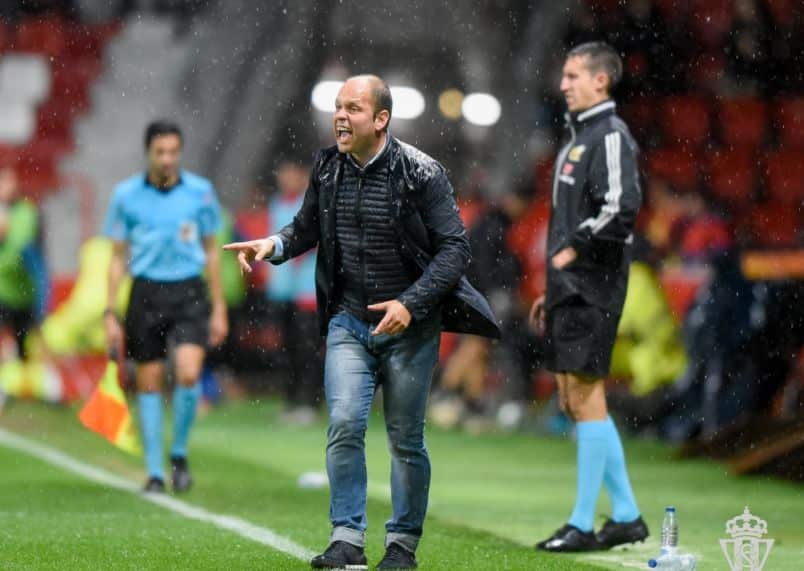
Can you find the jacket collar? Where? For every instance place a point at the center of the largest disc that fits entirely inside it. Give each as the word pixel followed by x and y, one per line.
pixel 602 109
pixel 373 159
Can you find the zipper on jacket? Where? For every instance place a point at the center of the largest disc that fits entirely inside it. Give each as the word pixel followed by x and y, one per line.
pixel 361 247
pixel 560 163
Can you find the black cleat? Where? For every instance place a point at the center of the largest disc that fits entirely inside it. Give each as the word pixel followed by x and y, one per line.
pixel 340 555
pixel 569 539
pixel 614 533
pixel 397 557
pixel 154 485
pixel 182 481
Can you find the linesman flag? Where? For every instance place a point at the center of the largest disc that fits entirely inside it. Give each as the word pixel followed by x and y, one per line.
pixel 106 412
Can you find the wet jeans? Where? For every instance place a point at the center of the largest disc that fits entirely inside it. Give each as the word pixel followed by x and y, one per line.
pixel 356 363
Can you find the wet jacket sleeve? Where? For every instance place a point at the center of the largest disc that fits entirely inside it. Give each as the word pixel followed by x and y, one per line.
pixel 449 246
pixel 304 231
pixel 615 192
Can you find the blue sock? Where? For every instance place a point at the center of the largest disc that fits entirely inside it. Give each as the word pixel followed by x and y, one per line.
pixel 615 477
pixel 592 452
pixel 150 406
pixel 185 403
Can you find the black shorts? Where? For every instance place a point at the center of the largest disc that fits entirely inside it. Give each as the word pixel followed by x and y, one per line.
pixel 158 310
pixel 579 338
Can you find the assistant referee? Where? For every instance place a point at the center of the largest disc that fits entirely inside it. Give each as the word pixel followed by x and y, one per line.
pixel 166 218
pixel 596 196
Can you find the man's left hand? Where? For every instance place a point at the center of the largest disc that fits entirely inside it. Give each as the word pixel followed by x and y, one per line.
pixel 396 320
pixel 564 258
pixel 218 326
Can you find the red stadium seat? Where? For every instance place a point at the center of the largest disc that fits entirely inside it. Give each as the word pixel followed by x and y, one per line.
pixel 790 122
pixel 685 120
pixel 5 36
pixel 773 225
pixel 72 80
pixel 783 12
pixel 732 175
pixel 55 119
pixel 784 177
pixel 674 11
pixel 675 165
pixel 743 122
pixel 41 35
pixel 640 113
pixel 710 21
pixel 83 41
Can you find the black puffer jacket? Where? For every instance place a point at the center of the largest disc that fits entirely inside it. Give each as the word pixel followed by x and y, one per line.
pixel 431 239
pixel 596 197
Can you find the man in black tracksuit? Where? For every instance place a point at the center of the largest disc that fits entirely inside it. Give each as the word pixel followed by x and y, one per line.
pixel 596 196
pixel 392 252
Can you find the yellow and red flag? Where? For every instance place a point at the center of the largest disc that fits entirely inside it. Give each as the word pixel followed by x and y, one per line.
pixel 106 412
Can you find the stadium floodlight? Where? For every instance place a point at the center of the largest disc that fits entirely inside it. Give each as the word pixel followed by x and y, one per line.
pixel 408 102
pixel 481 109
pixel 324 94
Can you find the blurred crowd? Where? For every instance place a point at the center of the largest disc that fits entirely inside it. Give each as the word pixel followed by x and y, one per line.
pixel 714 94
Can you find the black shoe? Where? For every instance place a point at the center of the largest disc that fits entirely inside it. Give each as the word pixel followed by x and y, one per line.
pixel 182 481
pixel 569 539
pixel 613 533
pixel 154 485
pixel 397 557
pixel 340 555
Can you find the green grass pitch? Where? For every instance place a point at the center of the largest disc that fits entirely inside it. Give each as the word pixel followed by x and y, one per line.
pixel 492 497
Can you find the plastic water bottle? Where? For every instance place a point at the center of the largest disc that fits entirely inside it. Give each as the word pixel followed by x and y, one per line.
pixel 673 562
pixel 669 531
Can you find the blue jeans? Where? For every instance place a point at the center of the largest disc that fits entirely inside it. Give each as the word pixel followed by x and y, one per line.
pixel 356 363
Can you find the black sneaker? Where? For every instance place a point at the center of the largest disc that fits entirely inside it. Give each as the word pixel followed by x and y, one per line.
pixel 340 555
pixel 569 539
pixel 397 557
pixel 154 485
pixel 613 533
pixel 182 481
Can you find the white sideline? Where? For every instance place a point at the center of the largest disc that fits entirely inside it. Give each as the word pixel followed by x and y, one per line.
pixel 234 524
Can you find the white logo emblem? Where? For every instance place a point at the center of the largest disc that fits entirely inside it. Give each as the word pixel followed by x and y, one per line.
pixel 746 550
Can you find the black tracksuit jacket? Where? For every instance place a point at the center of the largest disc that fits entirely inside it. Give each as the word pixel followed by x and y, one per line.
pixel 595 199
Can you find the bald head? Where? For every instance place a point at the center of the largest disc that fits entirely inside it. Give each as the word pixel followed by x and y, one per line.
pixel 379 90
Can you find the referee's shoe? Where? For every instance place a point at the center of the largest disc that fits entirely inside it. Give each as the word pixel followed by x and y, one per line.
pixel 182 481
pixel 569 539
pixel 615 533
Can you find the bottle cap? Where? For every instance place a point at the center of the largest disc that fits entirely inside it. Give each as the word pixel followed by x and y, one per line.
pixel 652 563
pixel 670 509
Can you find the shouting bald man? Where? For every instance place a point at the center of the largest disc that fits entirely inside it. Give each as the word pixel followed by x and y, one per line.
pixel 392 252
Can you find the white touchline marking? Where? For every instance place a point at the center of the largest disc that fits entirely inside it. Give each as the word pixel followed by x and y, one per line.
pixel 234 524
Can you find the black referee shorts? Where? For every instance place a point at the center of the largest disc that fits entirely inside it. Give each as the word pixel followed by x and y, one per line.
pixel 579 338
pixel 157 310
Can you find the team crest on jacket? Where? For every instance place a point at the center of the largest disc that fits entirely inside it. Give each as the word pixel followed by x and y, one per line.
pixel 576 153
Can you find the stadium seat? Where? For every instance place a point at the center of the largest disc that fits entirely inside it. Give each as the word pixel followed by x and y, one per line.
pixel 55 118
pixel 784 176
pixel 743 122
pixel 675 165
pixel 685 120
pixel 710 21
pixel 5 36
pixel 790 122
pixel 24 78
pixel 773 225
pixel 41 35
pixel 732 175
pixel 83 41
pixel 17 122
pixel 640 113
pixel 783 12
pixel 72 80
